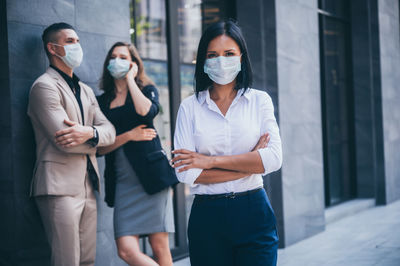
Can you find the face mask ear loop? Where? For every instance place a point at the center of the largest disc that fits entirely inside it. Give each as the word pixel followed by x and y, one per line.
pixel 59 56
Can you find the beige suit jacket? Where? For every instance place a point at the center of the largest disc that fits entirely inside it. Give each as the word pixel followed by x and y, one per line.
pixel 58 170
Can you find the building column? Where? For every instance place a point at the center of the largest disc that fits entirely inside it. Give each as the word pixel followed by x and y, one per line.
pixel 22 60
pixel 388 16
pixel 299 87
pixel 283 43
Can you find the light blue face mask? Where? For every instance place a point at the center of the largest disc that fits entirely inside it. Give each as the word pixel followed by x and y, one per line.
pixel 118 67
pixel 222 69
pixel 73 55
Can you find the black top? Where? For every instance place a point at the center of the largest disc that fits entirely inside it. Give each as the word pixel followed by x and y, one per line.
pixel 125 118
pixel 73 83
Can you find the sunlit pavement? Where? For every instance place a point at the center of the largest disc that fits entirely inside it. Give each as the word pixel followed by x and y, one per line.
pixel 368 238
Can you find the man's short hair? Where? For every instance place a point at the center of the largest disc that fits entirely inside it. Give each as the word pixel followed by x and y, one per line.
pixel 49 34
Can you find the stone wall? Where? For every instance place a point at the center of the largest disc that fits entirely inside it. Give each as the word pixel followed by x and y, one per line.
pixel 99 24
pixel 300 118
pixel 388 13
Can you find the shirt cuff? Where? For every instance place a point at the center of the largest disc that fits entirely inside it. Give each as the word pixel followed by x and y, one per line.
pixel 267 159
pixel 189 176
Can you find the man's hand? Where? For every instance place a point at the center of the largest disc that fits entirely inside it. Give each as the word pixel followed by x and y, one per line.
pixel 73 136
pixel 141 133
pixel 262 142
pixel 191 159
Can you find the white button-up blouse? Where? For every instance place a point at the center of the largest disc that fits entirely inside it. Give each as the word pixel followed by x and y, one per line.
pixel 201 127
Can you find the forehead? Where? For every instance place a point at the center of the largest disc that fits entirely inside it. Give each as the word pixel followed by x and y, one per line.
pixel 121 50
pixel 66 34
pixel 222 42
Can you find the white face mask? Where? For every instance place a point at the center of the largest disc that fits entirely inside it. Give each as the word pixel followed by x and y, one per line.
pixel 73 55
pixel 223 70
pixel 118 67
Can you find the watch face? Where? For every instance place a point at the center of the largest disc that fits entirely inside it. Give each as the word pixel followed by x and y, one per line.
pixel 94 133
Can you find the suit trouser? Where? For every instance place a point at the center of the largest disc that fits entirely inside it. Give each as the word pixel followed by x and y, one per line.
pixel 70 224
pixel 237 231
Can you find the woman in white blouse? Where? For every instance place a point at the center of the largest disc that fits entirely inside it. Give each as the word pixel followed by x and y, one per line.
pixel 226 138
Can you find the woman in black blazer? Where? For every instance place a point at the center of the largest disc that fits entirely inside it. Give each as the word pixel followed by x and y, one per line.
pixel 130 102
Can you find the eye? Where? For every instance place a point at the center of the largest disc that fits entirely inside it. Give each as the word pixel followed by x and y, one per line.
pixel 211 55
pixel 229 54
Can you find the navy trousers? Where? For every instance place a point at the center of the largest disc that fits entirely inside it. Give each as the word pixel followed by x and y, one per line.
pixel 238 231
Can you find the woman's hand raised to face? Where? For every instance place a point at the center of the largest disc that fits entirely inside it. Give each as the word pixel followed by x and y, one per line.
pixel 141 133
pixel 133 71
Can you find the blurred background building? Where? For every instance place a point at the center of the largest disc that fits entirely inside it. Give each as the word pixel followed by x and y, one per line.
pixel 332 68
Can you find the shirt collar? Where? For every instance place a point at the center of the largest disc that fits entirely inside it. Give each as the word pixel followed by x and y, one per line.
pixel 201 97
pixel 70 81
pixel 246 94
pixel 204 96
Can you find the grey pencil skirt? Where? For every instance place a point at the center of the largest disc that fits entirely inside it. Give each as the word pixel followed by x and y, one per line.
pixel 135 211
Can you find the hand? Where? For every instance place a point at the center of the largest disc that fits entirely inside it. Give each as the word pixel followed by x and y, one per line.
pixel 132 73
pixel 262 142
pixel 141 133
pixel 75 135
pixel 190 159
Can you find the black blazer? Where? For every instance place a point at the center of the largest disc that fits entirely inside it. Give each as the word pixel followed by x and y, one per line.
pixel 124 118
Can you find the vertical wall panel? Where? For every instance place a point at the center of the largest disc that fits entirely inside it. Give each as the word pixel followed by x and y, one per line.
pixel 300 118
pixel 99 24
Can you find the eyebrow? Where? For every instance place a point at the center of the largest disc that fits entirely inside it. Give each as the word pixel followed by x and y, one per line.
pixel 119 54
pixel 232 49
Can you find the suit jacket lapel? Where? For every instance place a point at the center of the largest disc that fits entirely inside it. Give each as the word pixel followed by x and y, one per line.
pixel 66 89
pixel 85 103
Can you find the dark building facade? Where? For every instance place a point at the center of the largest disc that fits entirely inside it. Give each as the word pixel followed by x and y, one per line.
pixel 331 67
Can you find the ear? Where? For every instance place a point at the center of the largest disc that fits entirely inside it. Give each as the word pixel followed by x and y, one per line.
pixel 50 48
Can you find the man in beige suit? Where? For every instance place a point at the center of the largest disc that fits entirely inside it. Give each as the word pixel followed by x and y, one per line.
pixel 68 126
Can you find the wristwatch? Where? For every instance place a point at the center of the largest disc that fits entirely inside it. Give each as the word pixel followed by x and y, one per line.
pixel 95 140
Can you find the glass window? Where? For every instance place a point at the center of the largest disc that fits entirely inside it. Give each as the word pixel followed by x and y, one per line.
pixel 148 29
pixel 338 8
pixel 336 105
pixel 148 33
pixel 190 29
pixel 194 16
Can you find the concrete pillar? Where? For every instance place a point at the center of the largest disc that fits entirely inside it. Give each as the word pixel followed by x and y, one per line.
pixel 99 24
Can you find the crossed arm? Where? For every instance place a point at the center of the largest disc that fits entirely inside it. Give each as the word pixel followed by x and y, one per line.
pixel 139 133
pixel 217 169
pixel 46 110
pixel 194 168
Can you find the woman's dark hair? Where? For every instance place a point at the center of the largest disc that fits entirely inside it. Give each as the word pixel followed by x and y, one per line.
pixel 229 28
pixel 107 81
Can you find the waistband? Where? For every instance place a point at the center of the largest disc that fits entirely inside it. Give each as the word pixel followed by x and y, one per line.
pixel 230 195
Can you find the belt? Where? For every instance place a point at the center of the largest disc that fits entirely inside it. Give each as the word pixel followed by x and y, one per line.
pixel 230 195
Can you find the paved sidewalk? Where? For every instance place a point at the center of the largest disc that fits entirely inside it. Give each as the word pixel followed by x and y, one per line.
pixel 368 238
